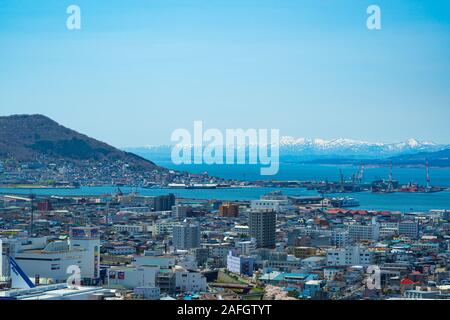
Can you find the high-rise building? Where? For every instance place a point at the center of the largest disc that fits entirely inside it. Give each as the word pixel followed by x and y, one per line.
pixel 164 203
pixel 186 235
pixel 262 227
pixel 229 210
pixel 409 228
pixel 359 232
pixel 180 212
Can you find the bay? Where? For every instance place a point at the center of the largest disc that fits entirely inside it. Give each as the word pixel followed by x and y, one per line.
pixel 405 202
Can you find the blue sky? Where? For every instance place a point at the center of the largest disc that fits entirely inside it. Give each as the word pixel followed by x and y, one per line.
pixel 139 69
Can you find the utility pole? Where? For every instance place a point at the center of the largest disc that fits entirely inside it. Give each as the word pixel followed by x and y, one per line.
pixel 31 197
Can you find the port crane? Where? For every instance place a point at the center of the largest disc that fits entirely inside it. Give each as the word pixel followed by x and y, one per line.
pixel 360 173
pixel 342 180
pixel 390 185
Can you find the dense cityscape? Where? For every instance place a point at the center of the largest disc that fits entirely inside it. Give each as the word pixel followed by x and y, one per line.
pixel 234 158
pixel 130 246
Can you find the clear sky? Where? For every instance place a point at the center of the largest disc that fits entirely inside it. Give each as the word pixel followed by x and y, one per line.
pixel 138 69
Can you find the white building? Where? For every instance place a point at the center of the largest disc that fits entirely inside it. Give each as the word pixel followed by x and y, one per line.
pixel 58 292
pixel 180 211
pixel 132 277
pixel 340 238
pixel 280 206
pixel 39 258
pixel 349 256
pixel 360 232
pixel 186 235
pixel 388 229
pixel 186 281
pixel 52 261
pixel 162 261
pixel 242 230
pixel 219 251
pixel 130 228
pixel 240 264
pixel 246 247
pixel 409 228
pixel 4 262
pixel 163 227
pixel 88 240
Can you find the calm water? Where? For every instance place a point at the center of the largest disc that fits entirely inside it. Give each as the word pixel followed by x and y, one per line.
pixel 297 171
pixel 404 202
pixel 292 171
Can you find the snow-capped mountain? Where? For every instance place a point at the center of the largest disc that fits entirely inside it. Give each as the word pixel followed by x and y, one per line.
pixel 306 148
pixel 346 147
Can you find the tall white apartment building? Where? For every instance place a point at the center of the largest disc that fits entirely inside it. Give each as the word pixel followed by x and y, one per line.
pixel 186 235
pixel 340 238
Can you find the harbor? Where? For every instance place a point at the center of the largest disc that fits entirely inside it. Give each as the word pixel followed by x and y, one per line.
pixel 404 202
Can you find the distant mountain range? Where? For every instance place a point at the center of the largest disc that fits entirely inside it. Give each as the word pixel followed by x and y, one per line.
pixel 435 159
pixel 338 151
pixel 39 138
pixel 348 147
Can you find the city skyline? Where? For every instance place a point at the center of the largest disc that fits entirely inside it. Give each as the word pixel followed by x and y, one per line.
pixel 224 155
pixel 135 73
